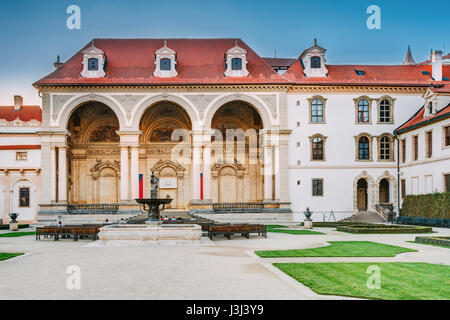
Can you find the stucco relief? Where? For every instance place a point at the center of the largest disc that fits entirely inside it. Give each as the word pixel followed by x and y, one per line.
pixel 128 103
pixel 58 102
pixel 201 102
pixel 271 102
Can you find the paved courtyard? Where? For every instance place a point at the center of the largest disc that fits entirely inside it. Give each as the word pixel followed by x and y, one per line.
pixel 226 270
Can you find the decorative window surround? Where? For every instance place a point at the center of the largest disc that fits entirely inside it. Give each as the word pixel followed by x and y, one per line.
pixel 357 100
pixel 357 147
pixel 430 98
pixel 165 53
pixel 391 147
pixel 310 101
pixel 324 139
pixel 93 53
pixel 306 58
pixel 391 109
pixel 236 53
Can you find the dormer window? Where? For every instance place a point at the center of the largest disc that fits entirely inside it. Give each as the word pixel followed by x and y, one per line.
pixel 165 62
pixel 94 62
pixel 236 62
pixel 430 108
pixel 315 62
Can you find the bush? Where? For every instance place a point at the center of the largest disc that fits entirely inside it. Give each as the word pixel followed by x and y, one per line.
pixel 6 226
pixel 434 205
pixel 333 224
pixel 384 229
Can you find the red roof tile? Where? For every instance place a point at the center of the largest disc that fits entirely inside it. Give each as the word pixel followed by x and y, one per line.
pixel 26 113
pixel 374 75
pixel 21 147
pixel 132 61
pixel 280 62
pixel 418 119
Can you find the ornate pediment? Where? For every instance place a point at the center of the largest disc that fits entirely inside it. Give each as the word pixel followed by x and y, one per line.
pixel 161 164
pixel 100 165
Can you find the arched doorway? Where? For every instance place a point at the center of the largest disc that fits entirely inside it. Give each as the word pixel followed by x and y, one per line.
pixel 236 154
pixel 362 195
pixel 384 191
pixel 93 156
pixel 165 149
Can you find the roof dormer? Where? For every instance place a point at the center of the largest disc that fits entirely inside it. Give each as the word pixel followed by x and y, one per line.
pixel 165 62
pixel 430 103
pixel 94 62
pixel 313 60
pixel 236 62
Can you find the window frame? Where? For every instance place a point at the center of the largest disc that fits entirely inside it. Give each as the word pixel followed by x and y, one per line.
pixel 316 62
pixel 232 64
pixel 403 188
pixel 321 180
pixel 310 102
pixel 357 138
pixel 22 152
pixel 415 148
pixel 390 144
pixel 29 197
pixel 446 138
pixel 369 112
pixel 429 144
pixel 391 109
pixel 403 150
pixel 96 64
pixel 161 64
pixel 311 142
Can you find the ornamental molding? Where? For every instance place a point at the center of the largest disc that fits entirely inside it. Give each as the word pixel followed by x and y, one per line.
pixel 20 123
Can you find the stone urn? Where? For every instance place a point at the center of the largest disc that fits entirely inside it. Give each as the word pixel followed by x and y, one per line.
pixel 308 222
pixel 13 224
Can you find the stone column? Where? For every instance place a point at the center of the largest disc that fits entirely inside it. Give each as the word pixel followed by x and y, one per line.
pixel 207 173
pixel 134 172
pixel 277 172
pixel 124 173
pixel 196 155
pixel 267 173
pixel 52 174
pixel 62 174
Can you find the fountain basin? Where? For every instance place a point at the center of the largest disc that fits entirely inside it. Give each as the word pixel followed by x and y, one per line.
pixel 153 233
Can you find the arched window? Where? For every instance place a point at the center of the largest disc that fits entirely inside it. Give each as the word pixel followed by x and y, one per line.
pixel 93 64
pixel 385 111
pixel 430 108
pixel 317 148
pixel 385 148
pixel 165 64
pixel 236 64
pixel 317 111
pixel 363 111
pixel 363 148
pixel 315 62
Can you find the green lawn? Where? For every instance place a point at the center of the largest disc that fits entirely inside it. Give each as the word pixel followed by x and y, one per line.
pixel 6 256
pixel 16 234
pixel 277 229
pixel 340 249
pixel 398 281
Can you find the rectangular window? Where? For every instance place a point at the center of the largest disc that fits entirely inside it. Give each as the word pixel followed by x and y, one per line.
pixel 429 136
pixel 317 186
pixel 447 182
pixel 403 185
pixel 21 156
pixel 404 150
pixel 24 197
pixel 447 136
pixel 415 148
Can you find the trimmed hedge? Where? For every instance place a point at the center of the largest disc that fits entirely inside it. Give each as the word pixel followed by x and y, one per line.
pixel 433 205
pixel 440 241
pixel 384 229
pixel 332 224
pixel 6 226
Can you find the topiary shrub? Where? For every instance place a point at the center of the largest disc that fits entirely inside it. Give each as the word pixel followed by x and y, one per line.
pixel 433 205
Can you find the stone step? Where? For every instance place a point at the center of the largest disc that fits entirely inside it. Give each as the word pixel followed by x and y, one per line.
pixel 365 217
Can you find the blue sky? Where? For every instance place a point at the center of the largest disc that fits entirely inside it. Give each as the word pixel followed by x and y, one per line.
pixel 33 32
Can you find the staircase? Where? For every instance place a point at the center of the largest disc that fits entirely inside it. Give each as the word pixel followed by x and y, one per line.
pixel 365 217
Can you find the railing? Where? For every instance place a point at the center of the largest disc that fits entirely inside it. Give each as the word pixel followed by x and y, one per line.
pixel 383 210
pixel 93 208
pixel 238 207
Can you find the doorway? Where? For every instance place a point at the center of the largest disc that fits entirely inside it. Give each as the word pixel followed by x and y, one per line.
pixel 362 195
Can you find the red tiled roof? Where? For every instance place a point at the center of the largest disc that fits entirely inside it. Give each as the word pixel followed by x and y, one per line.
pixel 21 147
pixel 280 62
pixel 374 75
pixel 132 61
pixel 444 89
pixel 418 119
pixel 26 113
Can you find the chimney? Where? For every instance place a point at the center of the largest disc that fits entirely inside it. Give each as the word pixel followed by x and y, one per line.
pixel 58 63
pixel 436 64
pixel 18 103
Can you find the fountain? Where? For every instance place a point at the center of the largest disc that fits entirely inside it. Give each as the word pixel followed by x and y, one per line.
pixel 151 231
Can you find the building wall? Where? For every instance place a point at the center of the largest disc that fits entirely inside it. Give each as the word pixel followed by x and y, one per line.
pixel 426 175
pixel 340 169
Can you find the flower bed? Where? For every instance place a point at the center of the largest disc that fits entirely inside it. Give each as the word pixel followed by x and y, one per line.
pixel 383 229
pixel 440 241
